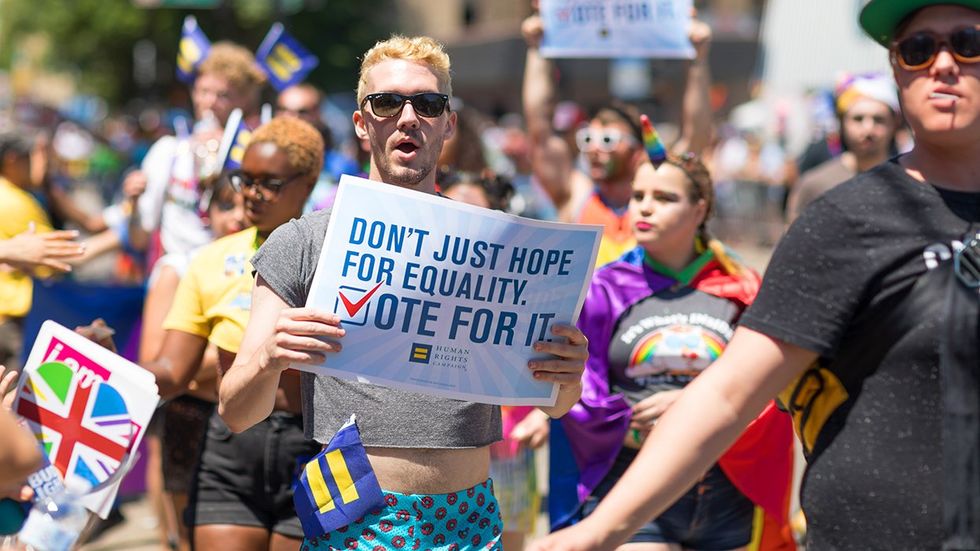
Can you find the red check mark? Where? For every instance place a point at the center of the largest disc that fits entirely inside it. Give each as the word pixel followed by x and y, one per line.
pixel 354 307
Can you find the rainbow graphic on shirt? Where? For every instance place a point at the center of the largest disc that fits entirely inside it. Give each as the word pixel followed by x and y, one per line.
pixel 677 349
pixel 81 421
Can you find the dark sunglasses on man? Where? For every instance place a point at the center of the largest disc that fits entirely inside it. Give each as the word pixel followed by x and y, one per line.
pixel 390 104
pixel 919 50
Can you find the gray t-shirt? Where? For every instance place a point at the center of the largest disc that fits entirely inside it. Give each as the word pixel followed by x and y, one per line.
pixel 386 417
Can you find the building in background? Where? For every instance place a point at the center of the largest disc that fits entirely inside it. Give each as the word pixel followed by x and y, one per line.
pixel 484 41
pixel 805 47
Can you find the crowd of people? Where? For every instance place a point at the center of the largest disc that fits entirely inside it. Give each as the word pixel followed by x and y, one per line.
pixel 687 378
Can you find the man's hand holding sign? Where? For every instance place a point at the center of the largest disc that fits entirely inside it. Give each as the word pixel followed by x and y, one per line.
pixel 469 313
pixel 435 328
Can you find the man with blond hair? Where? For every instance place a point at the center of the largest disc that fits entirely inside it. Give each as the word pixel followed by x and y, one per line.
pixel 430 454
pixel 167 184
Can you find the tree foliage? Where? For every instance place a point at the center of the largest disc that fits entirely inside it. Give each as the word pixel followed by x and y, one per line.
pixel 94 39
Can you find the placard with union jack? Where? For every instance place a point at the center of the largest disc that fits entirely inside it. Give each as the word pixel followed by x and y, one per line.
pixel 87 407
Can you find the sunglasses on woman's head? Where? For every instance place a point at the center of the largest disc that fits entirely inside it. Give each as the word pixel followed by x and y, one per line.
pixel 389 104
pixel 919 50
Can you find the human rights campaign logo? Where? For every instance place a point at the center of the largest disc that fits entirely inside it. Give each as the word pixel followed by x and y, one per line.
pixel 353 302
pixel 420 353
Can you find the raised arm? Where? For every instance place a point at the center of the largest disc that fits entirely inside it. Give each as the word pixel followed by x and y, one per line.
pixel 696 110
pixel 723 400
pixel 276 336
pixel 551 160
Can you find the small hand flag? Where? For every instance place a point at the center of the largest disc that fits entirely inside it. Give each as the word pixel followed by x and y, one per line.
pixel 233 142
pixel 284 59
pixel 338 486
pixel 194 47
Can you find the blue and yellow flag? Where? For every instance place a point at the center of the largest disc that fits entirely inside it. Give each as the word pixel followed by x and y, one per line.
pixel 338 486
pixel 194 47
pixel 233 142
pixel 284 59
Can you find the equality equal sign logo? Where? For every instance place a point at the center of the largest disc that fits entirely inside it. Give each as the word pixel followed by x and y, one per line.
pixel 420 353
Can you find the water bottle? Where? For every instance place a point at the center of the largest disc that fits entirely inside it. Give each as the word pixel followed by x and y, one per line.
pixel 206 144
pixel 55 522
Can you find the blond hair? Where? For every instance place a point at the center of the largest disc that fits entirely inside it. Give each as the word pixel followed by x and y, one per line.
pixel 301 142
pixel 420 49
pixel 233 63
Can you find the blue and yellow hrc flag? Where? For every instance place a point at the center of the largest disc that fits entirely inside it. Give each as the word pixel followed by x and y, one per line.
pixel 194 47
pixel 338 486
pixel 234 141
pixel 284 59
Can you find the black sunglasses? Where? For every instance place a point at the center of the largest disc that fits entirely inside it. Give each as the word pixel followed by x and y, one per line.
pixel 919 50
pixel 242 181
pixel 389 104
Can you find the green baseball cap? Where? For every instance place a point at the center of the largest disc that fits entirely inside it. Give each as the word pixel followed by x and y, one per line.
pixel 880 17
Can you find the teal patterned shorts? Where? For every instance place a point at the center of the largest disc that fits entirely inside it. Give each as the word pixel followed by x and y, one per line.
pixel 458 521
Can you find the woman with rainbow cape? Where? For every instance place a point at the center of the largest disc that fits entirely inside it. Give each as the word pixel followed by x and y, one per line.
pixel 655 318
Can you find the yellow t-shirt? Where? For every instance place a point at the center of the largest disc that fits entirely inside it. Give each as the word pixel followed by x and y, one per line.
pixel 214 298
pixel 17 210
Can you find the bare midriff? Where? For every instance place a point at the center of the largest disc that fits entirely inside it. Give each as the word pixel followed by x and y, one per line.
pixel 429 471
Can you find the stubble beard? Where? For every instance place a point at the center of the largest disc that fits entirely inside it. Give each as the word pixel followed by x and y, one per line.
pixel 401 176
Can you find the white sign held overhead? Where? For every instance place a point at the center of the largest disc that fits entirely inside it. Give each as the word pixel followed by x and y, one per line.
pixel 616 28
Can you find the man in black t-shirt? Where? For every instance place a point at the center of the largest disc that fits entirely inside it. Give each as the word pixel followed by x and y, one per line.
pixel 864 357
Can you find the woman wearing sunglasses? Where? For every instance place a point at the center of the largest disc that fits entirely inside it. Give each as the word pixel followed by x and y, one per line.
pixel 242 498
pixel 866 324
pixel 655 319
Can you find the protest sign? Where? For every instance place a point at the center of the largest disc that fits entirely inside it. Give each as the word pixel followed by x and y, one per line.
pixel 616 28
pixel 445 298
pixel 88 409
